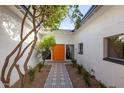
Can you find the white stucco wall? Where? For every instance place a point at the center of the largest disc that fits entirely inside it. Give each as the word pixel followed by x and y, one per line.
pixel 109 20
pixel 9 33
pixel 62 37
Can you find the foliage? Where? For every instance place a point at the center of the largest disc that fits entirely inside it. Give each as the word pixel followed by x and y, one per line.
pixel 102 85
pixel 39 65
pixel 74 61
pixel 45 45
pixel 31 73
pixel 86 77
pixel 118 39
pixel 80 67
pixel 51 15
pixel 76 16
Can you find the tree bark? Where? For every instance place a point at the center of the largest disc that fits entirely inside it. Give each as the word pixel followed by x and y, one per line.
pixel 20 74
pixel 19 50
pixel 32 47
pixel 35 40
pixel 22 28
pixel 15 62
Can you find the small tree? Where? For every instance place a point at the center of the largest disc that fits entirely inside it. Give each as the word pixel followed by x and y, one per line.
pixel 45 45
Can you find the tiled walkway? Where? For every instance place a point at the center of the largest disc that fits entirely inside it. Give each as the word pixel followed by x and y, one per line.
pixel 58 77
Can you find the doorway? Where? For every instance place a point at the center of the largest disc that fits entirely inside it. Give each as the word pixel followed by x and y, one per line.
pixel 58 54
pixel 69 51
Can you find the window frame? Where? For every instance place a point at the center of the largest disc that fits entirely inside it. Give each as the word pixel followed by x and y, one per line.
pixel 66 50
pixel 106 51
pixel 80 48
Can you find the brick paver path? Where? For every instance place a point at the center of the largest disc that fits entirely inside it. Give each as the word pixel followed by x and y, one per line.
pixel 58 77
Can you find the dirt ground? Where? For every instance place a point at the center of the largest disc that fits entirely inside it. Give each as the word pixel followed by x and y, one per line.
pixel 39 81
pixel 77 79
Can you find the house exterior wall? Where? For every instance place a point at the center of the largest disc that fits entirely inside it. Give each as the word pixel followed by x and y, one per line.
pixel 9 32
pixel 108 21
pixel 62 37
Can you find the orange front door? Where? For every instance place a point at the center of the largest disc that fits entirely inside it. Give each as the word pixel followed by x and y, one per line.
pixel 58 53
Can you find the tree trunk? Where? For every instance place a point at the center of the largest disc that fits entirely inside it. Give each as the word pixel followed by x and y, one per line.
pixel 32 47
pixel 15 62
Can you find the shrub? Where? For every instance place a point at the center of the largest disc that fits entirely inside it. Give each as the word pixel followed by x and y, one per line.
pixel 40 65
pixel 74 61
pixel 31 73
pixel 102 85
pixel 86 77
pixel 79 68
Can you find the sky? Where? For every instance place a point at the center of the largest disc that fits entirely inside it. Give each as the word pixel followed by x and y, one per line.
pixel 68 24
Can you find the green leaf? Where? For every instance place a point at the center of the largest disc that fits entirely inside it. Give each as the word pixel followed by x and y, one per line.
pixel 51 15
pixel 46 43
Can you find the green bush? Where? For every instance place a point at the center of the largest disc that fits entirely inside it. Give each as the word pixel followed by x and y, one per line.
pixel 102 85
pixel 74 61
pixel 31 73
pixel 86 77
pixel 85 74
pixel 80 67
pixel 40 65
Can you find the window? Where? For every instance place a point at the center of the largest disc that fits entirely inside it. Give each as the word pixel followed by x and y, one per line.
pixel 80 48
pixel 114 49
pixel 47 54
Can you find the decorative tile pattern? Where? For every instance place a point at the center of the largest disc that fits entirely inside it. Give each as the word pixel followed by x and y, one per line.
pixel 58 77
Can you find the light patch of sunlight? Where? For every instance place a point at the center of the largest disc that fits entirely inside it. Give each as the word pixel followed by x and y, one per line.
pixel 10 24
pixel 12 27
pixel 8 27
pixel 121 38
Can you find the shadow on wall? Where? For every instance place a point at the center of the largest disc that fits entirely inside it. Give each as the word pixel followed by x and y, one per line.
pixel 12 26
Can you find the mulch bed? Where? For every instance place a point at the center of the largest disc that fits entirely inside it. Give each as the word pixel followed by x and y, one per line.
pixel 77 79
pixel 38 82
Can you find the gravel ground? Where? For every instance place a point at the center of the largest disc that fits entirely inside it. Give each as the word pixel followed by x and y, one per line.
pixel 77 79
pixel 39 81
